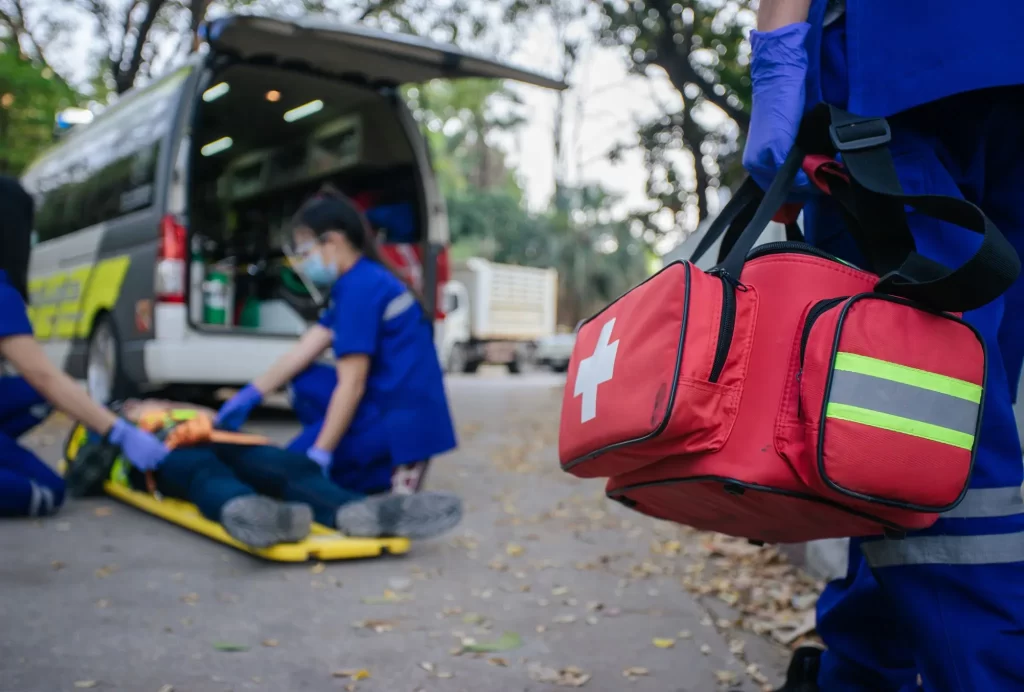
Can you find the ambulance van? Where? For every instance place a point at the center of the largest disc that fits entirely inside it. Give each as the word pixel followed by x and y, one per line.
pixel 158 257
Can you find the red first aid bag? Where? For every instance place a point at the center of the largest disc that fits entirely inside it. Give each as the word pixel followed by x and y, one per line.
pixel 786 395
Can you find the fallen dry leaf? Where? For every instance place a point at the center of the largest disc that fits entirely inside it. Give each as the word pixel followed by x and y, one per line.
pixel 725 677
pixel 377 626
pixel 564 619
pixel 388 597
pixel 106 571
pixel 103 511
pixel 352 673
pixel 570 676
pixel 270 642
pixel 318 568
pixel 514 550
pixel 57 565
pixel 85 684
pixel 508 641
pixel 635 672
pixel 498 661
pixel 190 598
pixel 664 643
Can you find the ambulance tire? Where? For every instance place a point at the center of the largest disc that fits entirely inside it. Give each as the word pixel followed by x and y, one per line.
pixel 104 374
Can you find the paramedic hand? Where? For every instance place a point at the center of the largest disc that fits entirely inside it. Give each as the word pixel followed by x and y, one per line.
pixel 236 409
pixel 323 459
pixel 142 448
pixel 778 68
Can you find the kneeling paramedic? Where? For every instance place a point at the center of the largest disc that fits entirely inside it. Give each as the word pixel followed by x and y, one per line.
pixel 946 603
pixel 28 487
pixel 384 405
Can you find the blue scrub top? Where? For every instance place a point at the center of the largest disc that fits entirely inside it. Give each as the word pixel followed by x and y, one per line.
pixel 13 313
pixel 886 56
pixel 372 313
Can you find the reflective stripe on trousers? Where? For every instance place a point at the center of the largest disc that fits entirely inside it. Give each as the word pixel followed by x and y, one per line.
pixel 985 549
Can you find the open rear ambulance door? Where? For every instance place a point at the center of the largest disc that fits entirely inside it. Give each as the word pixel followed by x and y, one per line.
pixel 356 52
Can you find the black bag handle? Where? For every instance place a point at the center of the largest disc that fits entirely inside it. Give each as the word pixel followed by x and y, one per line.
pixel 737 213
pixel 875 199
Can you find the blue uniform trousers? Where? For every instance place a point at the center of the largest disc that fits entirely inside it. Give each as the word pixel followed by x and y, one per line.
pixel 948 602
pixel 362 460
pixel 28 487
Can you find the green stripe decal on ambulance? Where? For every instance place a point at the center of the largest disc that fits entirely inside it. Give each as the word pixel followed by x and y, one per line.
pixel 902 399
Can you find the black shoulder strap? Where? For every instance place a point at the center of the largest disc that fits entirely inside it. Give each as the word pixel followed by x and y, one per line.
pixel 736 215
pixel 876 201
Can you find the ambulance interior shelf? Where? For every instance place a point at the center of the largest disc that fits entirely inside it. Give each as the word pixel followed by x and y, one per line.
pixel 265 141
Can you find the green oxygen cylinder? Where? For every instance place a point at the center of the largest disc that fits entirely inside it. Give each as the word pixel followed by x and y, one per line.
pixel 215 297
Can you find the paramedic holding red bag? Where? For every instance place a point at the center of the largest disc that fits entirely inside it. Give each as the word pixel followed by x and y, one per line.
pixel 946 603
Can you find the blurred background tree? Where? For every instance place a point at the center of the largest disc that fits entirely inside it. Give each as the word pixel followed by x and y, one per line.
pixel 691 149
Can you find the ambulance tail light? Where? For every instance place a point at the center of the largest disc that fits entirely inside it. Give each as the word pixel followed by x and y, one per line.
pixel 444 275
pixel 171 261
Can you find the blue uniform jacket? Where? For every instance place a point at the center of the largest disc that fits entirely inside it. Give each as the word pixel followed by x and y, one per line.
pixel 372 313
pixel 897 54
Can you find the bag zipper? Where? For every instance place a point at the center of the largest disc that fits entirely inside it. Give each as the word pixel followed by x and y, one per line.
pixel 797 248
pixel 725 328
pixel 816 311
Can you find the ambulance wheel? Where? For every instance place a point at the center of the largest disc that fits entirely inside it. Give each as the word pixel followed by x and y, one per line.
pixel 515 367
pixel 104 377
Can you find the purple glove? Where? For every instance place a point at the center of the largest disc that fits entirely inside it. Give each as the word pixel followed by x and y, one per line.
pixel 778 69
pixel 236 409
pixel 142 448
pixel 323 459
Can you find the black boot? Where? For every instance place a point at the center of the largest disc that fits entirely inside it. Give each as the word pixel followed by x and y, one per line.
pixel 802 675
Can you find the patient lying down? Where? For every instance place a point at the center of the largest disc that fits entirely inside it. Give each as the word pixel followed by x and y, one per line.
pixel 263 495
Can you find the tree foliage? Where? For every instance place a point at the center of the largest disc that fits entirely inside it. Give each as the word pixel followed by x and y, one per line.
pixel 134 40
pixel 597 256
pixel 701 46
pixel 30 97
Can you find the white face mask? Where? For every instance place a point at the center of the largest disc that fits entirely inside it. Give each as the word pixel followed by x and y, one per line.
pixel 318 271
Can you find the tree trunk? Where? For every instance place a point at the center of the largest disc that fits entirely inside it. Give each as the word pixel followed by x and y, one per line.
pixel 124 79
pixel 693 137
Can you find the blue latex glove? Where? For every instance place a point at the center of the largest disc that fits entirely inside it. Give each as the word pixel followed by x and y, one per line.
pixel 778 70
pixel 323 459
pixel 142 449
pixel 236 409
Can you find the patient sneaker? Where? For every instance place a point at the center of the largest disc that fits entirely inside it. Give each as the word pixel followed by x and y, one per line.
pixel 802 675
pixel 261 522
pixel 422 515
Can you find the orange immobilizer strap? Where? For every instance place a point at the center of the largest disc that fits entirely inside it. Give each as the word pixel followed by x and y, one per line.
pixel 195 431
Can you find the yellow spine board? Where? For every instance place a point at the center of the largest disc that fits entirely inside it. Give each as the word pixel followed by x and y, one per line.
pixel 323 543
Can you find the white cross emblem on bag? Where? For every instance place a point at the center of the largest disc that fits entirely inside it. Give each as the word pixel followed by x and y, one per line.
pixel 596 370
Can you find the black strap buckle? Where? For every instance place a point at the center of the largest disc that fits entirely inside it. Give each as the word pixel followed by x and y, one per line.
pixel 860 134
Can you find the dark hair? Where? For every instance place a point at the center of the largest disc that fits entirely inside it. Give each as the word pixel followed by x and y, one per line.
pixel 330 210
pixel 17 212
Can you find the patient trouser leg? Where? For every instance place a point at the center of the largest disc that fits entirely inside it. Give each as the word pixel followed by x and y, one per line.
pixel 288 476
pixel 949 600
pixel 196 474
